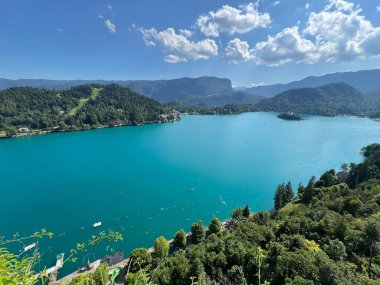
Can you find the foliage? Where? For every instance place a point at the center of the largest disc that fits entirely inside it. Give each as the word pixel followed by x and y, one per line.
pixel 161 247
pixel 180 239
pixel 215 226
pixel 140 259
pixel 77 108
pixel 197 232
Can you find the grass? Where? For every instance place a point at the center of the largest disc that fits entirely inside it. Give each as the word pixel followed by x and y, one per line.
pixel 94 93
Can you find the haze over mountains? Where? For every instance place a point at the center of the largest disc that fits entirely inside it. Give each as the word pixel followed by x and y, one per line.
pixel 202 90
pixel 353 93
pixel 364 80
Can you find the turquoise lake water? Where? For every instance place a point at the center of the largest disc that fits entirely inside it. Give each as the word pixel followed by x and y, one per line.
pixel 136 180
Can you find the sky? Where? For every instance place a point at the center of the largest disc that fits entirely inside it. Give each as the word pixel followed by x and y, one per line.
pixel 252 43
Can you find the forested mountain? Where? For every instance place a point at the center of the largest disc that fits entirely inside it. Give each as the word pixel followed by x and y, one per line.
pixel 365 81
pixel 328 233
pixel 80 107
pixel 332 99
pixel 202 90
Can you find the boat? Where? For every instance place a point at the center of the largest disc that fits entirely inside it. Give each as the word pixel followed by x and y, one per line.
pixel 98 224
pixel 29 247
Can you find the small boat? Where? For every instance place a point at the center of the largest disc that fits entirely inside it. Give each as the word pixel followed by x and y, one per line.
pixel 29 247
pixel 98 224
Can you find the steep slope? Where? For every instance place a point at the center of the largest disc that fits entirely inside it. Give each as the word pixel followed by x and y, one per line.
pixel 80 107
pixel 365 81
pixel 332 99
pixel 183 89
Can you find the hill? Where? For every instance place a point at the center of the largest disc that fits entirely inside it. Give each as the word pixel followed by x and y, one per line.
pixel 365 81
pixel 77 108
pixel 332 99
pixel 202 90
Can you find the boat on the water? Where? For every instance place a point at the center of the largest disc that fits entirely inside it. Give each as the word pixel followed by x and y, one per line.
pixel 98 224
pixel 29 247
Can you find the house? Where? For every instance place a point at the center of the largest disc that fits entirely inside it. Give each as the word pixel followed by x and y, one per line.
pixel 23 130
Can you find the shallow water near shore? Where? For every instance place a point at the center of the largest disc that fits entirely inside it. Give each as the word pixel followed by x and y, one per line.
pixel 153 180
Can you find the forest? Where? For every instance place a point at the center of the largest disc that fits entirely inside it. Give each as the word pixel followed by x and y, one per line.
pixel 81 107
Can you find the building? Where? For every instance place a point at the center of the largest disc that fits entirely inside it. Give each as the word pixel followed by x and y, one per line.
pixel 23 130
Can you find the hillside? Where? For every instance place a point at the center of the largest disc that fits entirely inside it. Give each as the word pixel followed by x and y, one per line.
pixel 202 90
pixel 365 81
pixel 332 99
pixel 327 233
pixel 77 108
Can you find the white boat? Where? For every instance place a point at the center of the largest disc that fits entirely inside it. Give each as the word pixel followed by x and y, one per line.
pixel 98 224
pixel 29 247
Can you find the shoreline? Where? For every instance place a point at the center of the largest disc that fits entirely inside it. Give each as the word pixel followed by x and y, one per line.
pixel 51 131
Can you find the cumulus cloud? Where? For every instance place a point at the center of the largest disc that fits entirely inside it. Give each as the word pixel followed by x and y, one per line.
pixel 237 50
pixel 232 20
pixel 338 33
pixel 110 26
pixel 178 46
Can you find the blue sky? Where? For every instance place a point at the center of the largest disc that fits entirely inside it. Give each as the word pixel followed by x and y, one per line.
pixel 251 43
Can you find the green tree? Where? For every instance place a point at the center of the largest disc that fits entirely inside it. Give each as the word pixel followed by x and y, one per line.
pixel 180 239
pixel 237 214
pixel 371 240
pixel 101 276
pixel 336 250
pixel 246 211
pixel 236 275
pixel 197 232
pixel 289 193
pixel 215 226
pixel 140 259
pixel 161 247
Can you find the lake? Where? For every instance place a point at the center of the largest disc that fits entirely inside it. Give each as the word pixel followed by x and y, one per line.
pixel 153 180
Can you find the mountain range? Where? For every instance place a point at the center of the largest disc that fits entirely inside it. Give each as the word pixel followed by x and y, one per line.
pixel 202 90
pixel 330 100
pixel 365 81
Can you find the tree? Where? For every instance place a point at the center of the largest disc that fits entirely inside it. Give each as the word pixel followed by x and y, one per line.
pixel 197 232
pixel 237 214
pixel 300 190
pixel 140 259
pixel 345 167
pixel 289 194
pixel 161 247
pixel 279 197
pixel 215 226
pixel 180 239
pixel 336 250
pixel 371 241
pixel 101 276
pixel 309 191
pixel 246 211
pixel 236 275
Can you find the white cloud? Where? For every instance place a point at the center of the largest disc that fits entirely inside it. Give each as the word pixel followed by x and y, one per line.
pixel 257 84
pixel 231 20
pixel 338 33
pixel 288 45
pixel 59 30
pixel 307 6
pixel 109 7
pixel 178 46
pixel 110 26
pixel 276 3
pixel 378 8
pixel 100 17
pixel 237 50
